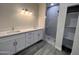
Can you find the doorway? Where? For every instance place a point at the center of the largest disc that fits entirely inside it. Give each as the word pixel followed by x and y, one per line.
pixel 52 11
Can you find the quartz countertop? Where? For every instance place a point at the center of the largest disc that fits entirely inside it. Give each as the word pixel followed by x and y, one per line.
pixel 8 33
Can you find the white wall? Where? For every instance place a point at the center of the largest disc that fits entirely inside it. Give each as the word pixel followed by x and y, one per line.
pixel 10 14
pixel 60 26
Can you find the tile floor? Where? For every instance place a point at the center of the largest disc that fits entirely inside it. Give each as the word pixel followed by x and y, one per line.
pixel 41 48
pixel 32 49
pixel 48 49
pixel 49 39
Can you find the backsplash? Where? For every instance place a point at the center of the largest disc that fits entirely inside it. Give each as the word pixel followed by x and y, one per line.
pixel 10 16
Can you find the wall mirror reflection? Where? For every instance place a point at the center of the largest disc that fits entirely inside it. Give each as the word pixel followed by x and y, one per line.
pixel 70 28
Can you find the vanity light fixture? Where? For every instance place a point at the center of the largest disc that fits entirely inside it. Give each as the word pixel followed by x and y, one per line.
pixel 26 12
pixel 26 9
pixel 22 12
pixel 30 13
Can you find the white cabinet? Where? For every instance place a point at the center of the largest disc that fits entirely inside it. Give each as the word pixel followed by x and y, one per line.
pixel 33 37
pixel 40 34
pixel 20 42
pixel 29 38
pixel 7 46
pixel 12 44
pixel 15 43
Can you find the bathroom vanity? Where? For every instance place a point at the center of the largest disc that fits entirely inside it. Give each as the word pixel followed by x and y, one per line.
pixel 13 42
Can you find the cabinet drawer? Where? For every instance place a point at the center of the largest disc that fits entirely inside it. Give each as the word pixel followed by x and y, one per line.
pixel 29 35
pixel 40 34
pixel 35 36
pixel 14 36
pixel 29 39
pixel 20 44
pixel 18 36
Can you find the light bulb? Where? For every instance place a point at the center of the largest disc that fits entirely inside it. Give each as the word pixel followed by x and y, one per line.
pixel 22 12
pixel 30 13
pixel 26 13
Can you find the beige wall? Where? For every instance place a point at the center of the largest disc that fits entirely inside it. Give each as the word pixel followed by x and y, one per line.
pixel 10 16
pixel 42 11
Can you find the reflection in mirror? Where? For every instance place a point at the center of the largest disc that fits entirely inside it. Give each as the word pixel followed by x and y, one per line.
pixel 69 29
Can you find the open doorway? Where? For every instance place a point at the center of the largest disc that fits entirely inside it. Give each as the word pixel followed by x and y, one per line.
pixel 52 11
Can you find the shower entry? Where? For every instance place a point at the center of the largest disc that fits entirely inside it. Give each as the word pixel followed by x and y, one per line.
pixel 52 11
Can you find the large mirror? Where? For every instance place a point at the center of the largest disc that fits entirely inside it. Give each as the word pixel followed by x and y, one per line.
pixel 70 27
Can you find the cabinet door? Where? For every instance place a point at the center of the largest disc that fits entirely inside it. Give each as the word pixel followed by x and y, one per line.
pixel 7 46
pixel 35 36
pixel 40 34
pixel 29 39
pixel 20 44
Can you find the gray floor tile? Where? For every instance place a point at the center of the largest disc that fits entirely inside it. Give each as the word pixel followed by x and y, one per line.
pixel 41 48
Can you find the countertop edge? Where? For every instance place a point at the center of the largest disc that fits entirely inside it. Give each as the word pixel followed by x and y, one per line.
pixel 3 36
